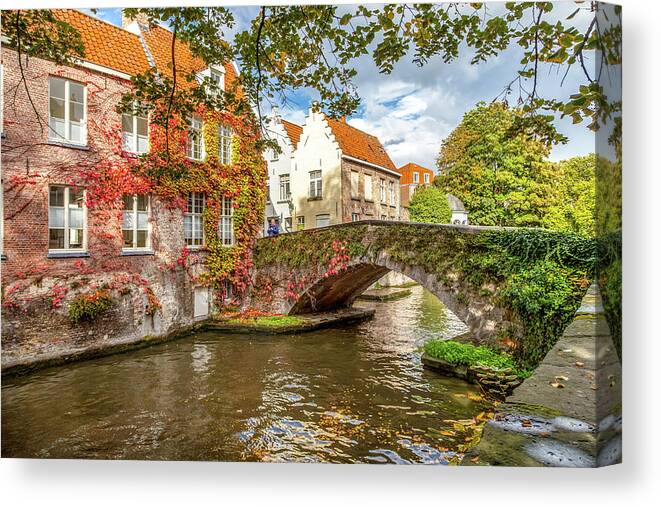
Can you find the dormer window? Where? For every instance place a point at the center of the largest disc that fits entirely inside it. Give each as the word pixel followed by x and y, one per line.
pixel 217 77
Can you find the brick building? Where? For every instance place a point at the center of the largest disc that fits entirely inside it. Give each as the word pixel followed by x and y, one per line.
pixel 145 252
pixel 413 176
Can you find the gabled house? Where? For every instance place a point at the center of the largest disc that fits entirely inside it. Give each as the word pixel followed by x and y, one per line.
pixel 341 174
pixel 413 176
pixel 280 171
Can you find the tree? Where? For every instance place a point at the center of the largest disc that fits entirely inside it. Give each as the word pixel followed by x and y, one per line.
pixel 573 206
pixel 315 46
pixel 499 173
pixel 430 205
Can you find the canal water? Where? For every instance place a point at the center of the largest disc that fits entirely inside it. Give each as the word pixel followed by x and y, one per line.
pixel 355 394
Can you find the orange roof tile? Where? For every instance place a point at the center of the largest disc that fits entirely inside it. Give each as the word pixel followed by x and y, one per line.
pixel 361 145
pixel 106 44
pixel 159 42
pixel 293 131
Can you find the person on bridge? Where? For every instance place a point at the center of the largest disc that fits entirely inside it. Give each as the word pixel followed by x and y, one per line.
pixel 274 228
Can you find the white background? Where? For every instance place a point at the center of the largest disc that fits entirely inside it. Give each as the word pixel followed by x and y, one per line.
pixel 636 482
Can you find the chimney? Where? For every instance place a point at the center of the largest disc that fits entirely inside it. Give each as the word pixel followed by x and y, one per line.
pixel 141 19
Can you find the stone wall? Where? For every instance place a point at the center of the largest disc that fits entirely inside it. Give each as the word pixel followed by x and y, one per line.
pixel 372 209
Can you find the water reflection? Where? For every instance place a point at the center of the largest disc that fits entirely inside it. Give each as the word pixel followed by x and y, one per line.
pixel 352 395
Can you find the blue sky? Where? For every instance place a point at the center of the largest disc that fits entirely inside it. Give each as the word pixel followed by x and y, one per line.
pixel 413 109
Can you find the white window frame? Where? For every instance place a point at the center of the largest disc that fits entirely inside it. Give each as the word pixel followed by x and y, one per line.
pixel 426 178
pixel 391 192
pixel 225 134
pixel 300 223
pixel 416 177
pixel 284 182
pixel 316 184
pixel 52 135
pixel 135 229
pixel 67 197
pixel 194 217
pixel 322 215
pixel 355 217
pixel 199 131
pixel 226 222
pixel 133 148
pixel 382 190
pixel 274 155
pixel 355 184
pixel 368 187
pixel 220 73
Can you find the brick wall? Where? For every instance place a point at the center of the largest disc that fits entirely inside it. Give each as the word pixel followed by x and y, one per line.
pixel 368 209
pixel 29 165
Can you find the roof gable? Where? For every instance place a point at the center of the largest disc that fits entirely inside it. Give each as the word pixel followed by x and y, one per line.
pixel 360 145
pixel 293 131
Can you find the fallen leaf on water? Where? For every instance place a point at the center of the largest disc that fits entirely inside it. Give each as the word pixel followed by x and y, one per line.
pixel 557 384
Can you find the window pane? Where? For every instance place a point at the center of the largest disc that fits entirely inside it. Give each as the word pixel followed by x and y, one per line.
pixel 142 126
pixel 56 196
pixel 76 218
pixel 55 239
pixel 127 223
pixel 76 92
pixel 76 197
pixel 188 228
pixel 57 108
pixel 142 220
pixel 76 132
pixel 127 123
pixel 75 238
pixel 142 239
pixel 127 141
pixel 76 112
pixel 57 87
pixel 127 202
pixel 143 202
pixel 57 129
pixel 56 217
pixel 143 144
pixel 128 238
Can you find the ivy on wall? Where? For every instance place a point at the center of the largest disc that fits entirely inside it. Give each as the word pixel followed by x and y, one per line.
pixel 539 275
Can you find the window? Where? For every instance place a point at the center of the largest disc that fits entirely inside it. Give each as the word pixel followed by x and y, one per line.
pixel 391 191
pixel 416 177
pixel 66 112
pixel 354 184
pixel 426 178
pixel 287 224
pixel 225 144
pixel 384 217
pixel 300 223
pixel 135 133
pixel 382 190
pixel 200 302
pixel 228 290
pixel 323 220
pixel 193 221
pixel 218 80
pixel 66 218
pixel 285 190
pixel 355 217
pixel 226 225
pixel 368 187
pixel 274 155
pixel 195 145
pixel 135 226
pixel 315 184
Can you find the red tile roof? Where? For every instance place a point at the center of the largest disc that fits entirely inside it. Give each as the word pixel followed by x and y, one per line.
pixel 159 42
pixel 293 131
pixel 106 44
pixel 361 145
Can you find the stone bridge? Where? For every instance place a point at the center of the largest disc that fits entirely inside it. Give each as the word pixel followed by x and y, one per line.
pixel 328 268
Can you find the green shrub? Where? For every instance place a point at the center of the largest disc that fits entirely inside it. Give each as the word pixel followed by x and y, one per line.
pixel 465 354
pixel 87 307
pixel 430 205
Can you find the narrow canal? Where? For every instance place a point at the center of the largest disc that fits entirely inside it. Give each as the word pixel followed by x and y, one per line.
pixel 345 395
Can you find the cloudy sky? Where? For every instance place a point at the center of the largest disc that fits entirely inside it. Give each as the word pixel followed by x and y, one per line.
pixel 413 109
